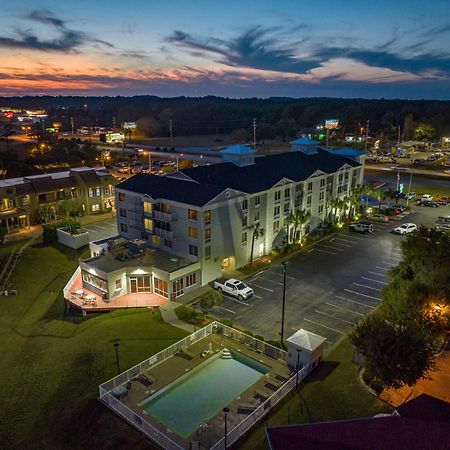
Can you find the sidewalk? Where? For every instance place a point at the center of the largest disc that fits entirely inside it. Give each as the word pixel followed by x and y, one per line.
pixel 169 316
pixel 33 231
pixel 86 220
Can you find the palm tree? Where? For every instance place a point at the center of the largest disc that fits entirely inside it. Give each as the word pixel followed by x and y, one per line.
pixel 382 195
pixel 336 205
pixel 297 219
pixel 257 232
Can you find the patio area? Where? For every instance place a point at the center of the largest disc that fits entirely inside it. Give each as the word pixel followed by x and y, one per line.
pixel 89 301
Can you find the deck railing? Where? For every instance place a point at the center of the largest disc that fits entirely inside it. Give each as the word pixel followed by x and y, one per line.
pixel 69 284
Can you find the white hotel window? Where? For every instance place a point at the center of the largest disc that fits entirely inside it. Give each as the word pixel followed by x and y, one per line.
pixel 244 239
pixel 95 207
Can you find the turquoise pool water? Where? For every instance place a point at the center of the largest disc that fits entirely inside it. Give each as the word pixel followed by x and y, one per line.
pixel 202 394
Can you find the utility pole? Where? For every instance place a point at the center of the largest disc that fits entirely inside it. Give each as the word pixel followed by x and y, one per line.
pixel 367 135
pixel 171 132
pixel 72 125
pixel 328 136
pixel 114 123
pixel 254 133
pixel 398 134
pixel 284 302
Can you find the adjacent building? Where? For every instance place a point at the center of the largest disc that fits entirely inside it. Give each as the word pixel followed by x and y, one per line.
pixel 32 199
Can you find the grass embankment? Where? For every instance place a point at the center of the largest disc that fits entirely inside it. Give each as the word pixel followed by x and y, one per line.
pixel 51 364
pixel 436 191
pixel 333 392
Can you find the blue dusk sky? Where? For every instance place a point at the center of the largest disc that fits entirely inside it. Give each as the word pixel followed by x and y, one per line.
pixel 341 48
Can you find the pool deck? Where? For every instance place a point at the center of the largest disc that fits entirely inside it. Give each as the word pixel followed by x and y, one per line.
pixel 165 373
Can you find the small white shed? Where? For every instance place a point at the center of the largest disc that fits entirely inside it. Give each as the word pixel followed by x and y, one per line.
pixel 306 347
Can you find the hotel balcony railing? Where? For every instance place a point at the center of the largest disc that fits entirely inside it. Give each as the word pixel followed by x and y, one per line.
pixel 166 217
pixel 164 233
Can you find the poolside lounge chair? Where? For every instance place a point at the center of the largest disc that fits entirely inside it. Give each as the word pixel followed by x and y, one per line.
pixel 150 377
pixel 186 353
pixel 271 386
pixel 260 397
pixel 143 380
pixel 281 378
pixel 246 409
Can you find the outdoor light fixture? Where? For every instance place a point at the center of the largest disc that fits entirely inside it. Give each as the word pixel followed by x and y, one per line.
pixel 225 412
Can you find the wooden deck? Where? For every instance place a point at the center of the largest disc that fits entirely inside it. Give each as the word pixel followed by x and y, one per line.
pixel 97 303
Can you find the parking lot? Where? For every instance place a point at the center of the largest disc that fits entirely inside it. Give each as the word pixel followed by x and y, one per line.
pixel 101 230
pixel 328 287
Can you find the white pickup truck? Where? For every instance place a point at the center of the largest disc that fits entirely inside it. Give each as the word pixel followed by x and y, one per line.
pixel 233 287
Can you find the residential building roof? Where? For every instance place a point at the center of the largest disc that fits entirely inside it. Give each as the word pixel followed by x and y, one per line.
pixel 304 141
pixel 346 151
pixel 307 340
pixel 238 150
pixel 170 188
pixel 51 181
pixel 422 423
pixel 203 183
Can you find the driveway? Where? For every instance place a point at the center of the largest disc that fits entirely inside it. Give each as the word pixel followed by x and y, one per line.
pixel 328 287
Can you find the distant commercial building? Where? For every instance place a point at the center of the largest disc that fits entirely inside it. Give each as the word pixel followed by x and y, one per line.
pixel 29 200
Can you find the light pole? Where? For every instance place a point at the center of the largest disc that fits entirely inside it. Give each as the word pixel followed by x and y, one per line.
pixel 284 302
pixel 225 411
pixel 116 346
pixel 298 367
pixel 195 316
pixel 150 161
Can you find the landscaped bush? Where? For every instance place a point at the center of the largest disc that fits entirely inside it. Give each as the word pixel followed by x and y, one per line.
pixel 49 234
pixel 227 322
pixel 210 299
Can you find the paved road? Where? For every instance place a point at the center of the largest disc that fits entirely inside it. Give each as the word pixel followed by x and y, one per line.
pixel 329 287
pixel 101 230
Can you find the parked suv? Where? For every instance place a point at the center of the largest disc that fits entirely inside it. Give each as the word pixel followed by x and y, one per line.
pixel 410 196
pixel 426 197
pixel 406 228
pixel 362 226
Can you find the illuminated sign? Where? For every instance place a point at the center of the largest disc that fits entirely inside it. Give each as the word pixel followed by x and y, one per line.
pixel 331 124
pixel 129 125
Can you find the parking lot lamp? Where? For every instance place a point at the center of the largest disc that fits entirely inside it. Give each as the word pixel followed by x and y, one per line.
pixel 195 316
pixel 116 346
pixel 284 302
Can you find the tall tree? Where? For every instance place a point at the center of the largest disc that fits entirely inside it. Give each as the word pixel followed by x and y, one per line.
pixel 257 232
pixel 294 224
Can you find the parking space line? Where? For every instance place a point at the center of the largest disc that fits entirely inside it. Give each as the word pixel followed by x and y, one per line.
pixel 375 281
pixel 382 268
pixel 268 279
pixel 367 287
pixel 388 263
pixel 347 240
pixel 228 310
pixel 354 301
pixel 345 309
pixel 261 287
pixel 329 246
pixel 395 259
pixel 324 251
pixel 377 273
pixel 357 238
pixel 256 296
pixel 342 245
pixel 324 326
pixel 236 300
pixel 364 295
pixel 333 317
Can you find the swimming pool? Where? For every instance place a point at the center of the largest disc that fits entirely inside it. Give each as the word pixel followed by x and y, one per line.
pixel 196 397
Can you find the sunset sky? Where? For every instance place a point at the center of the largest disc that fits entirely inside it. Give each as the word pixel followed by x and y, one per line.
pixel 390 49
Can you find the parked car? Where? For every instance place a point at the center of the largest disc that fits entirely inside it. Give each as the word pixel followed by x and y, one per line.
pixel 410 196
pixel 431 158
pixel 429 203
pixel 444 201
pixel 406 228
pixel 393 210
pixel 426 197
pixel 445 218
pixel 233 287
pixel 443 227
pixel 418 162
pixel 379 218
pixel 362 226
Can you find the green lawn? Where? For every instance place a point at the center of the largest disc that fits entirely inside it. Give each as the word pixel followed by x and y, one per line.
pixel 332 393
pixel 437 191
pixel 51 364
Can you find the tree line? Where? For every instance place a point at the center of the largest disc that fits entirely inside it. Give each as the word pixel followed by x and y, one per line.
pixel 276 117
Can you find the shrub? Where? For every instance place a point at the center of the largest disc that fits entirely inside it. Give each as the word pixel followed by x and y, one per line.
pixel 227 322
pixel 210 299
pixel 49 235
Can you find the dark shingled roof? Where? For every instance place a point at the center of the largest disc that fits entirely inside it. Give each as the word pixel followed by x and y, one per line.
pixel 215 178
pixel 171 189
pixel 424 424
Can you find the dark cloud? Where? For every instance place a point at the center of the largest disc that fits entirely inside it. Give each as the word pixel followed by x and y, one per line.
pixel 69 40
pixel 262 48
pixel 258 48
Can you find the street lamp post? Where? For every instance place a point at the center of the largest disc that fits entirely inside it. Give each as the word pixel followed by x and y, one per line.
pixel 298 367
pixel 150 161
pixel 116 346
pixel 284 302
pixel 225 411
